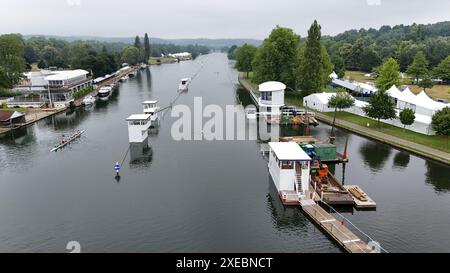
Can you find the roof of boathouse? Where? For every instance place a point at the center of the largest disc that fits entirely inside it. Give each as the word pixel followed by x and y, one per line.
pixel 66 75
pixel 271 86
pixel 288 151
pixel 138 117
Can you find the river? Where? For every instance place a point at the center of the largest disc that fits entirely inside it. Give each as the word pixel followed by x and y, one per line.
pixel 195 196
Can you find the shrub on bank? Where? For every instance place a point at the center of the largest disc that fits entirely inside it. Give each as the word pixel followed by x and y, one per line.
pixel 83 92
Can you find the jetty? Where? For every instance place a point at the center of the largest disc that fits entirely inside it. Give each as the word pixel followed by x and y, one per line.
pixel 360 198
pixel 337 230
pixel 291 171
pixel 111 80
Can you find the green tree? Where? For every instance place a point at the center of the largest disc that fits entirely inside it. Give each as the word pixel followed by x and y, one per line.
pixel 339 65
pixel 441 122
pixel 137 42
pixel 419 67
pixel 380 106
pixel 369 60
pixel 146 48
pixel 341 100
pixel 244 57
pixel 276 60
pixel 41 64
pixel 232 52
pixel 407 117
pixel 12 62
pixel 314 65
pixel 442 71
pixel 426 82
pixel 130 55
pixel 138 45
pixel 389 75
pixel 354 56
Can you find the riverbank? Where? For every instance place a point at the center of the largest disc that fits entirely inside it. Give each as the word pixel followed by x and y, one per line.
pixel 410 146
pixel 32 116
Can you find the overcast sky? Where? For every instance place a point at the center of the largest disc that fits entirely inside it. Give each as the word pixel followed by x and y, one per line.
pixel 209 18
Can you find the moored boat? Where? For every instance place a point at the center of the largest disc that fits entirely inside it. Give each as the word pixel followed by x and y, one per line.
pixel 250 113
pixel 184 84
pixel 328 187
pixel 88 100
pixel 104 92
pixel 132 74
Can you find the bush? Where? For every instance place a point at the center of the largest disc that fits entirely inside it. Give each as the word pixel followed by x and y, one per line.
pixel 83 92
pixel 7 94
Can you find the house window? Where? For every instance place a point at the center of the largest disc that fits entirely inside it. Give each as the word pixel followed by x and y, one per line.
pixel 287 165
pixel 266 96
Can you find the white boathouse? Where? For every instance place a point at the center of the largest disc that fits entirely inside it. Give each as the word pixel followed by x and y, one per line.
pixel 289 167
pixel 151 108
pixel 271 97
pixel 138 126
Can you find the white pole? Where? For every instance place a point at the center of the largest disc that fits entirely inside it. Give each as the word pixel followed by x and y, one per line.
pixel 49 96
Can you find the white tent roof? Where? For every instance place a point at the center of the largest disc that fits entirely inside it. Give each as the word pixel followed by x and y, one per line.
pixel 394 92
pixel 425 101
pixel 322 97
pixel 272 86
pixel 407 96
pixel 288 151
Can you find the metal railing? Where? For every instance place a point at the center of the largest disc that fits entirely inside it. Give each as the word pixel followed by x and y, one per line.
pixel 367 239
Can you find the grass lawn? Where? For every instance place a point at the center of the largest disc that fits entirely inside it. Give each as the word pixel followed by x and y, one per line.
pixel 164 60
pixel 437 142
pixel 358 76
pixel 23 110
pixel 293 98
pixel 437 92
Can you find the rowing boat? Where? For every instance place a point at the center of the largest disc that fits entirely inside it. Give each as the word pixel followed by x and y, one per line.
pixel 65 142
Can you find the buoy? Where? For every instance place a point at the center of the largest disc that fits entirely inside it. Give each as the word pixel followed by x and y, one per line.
pixel 117 168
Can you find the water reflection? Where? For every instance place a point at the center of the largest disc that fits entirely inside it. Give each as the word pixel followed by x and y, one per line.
pixel 401 160
pixel 242 97
pixel 438 176
pixel 374 155
pixel 141 154
pixel 149 78
pixel 284 217
pixel 69 120
pixel 22 136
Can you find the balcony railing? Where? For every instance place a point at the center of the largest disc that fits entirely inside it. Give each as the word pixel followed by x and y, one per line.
pixel 61 87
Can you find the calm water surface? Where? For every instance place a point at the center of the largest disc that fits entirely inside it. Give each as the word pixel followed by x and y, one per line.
pixel 195 196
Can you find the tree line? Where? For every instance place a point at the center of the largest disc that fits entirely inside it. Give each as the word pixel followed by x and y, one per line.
pixel 305 65
pixel 301 65
pixel 366 49
pixel 18 55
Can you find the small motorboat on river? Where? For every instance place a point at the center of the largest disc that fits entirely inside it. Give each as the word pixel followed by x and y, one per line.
pixel 184 84
pixel 89 100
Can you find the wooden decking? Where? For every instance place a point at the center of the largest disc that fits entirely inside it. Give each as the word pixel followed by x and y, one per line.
pixel 334 228
pixel 361 204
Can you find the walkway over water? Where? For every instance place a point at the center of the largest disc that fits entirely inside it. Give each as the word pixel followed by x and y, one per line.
pixel 334 228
